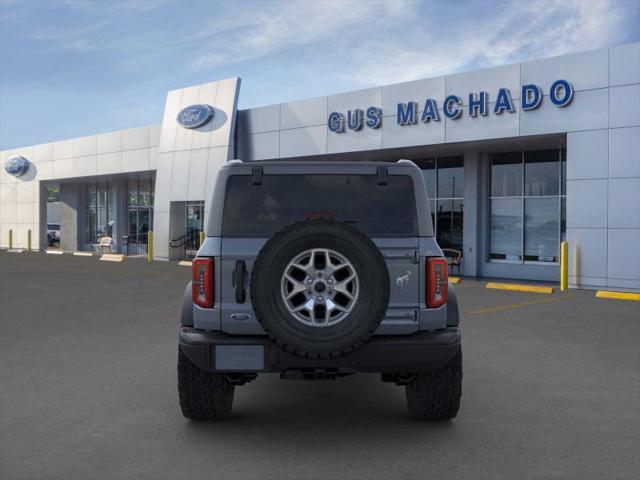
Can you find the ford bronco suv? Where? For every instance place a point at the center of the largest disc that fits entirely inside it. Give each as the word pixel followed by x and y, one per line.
pixel 319 270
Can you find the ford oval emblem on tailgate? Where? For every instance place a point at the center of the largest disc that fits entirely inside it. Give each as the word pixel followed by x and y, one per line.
pixel 240 316
pixel 195 116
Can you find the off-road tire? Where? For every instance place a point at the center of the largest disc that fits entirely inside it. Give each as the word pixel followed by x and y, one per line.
pixel 203 395
pixel 436 395
pixel 310 341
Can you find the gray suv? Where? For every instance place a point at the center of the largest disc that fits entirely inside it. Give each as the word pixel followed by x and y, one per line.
pixel 319 270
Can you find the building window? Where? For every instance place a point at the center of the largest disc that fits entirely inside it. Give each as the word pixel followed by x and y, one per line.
pixel 527 206
pixel 444 178
pixel 53 193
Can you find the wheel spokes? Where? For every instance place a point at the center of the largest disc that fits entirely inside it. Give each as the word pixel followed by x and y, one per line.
pixel 297 287
pixel 343 287
pixel 331 306
pixel 320 287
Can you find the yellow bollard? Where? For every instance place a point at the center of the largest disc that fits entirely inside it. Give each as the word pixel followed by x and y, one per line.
pixel 29 240
pixel 201 239
pixel 564 266
pixel 10 239
pixel 150 247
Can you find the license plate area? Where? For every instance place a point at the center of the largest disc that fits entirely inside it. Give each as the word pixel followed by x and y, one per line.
pixel 247 358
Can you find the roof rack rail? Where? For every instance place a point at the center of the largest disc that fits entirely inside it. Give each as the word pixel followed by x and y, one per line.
pixel 405 161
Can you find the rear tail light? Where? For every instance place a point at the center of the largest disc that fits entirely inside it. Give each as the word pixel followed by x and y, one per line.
pixel 437 282
pixel 202 282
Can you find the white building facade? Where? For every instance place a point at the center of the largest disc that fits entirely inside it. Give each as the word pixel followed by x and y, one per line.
pixel 516 159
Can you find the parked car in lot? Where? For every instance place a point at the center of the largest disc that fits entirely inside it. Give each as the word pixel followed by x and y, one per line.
pixel 53 234
pixel 319 270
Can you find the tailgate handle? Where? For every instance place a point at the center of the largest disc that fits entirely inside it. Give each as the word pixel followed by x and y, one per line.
pixel 413 256
pixel 238 281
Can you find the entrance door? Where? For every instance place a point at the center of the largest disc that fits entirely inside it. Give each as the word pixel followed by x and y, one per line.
pixel 139 224
pixel 194 225
pixel 140 215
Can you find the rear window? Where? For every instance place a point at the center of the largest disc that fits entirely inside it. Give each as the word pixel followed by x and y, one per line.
pixel 262 210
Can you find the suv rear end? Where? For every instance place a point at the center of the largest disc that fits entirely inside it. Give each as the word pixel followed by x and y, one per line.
pixel 318 270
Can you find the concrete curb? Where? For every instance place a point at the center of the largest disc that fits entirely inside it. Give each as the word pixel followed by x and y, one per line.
pixel 112 257
pixel 634 297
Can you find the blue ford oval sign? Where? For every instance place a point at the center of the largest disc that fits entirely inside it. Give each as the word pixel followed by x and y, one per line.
pixel 17 166
pixel 195 116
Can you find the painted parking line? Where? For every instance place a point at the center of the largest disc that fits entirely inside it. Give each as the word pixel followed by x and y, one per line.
pixel 618 295
pixel 515 287
pixel 83 254
pixel 184 263
pixel 517 305
pixel 112 257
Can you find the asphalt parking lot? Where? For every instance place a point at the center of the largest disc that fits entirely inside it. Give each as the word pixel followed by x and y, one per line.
pixel 88 390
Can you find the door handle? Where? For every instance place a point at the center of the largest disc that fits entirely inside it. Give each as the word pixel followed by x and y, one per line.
pixel 238 281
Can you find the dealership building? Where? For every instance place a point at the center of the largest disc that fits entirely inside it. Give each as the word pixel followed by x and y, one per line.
pixel 516 159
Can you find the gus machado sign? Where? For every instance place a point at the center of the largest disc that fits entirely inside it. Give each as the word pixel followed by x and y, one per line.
pixel 560 95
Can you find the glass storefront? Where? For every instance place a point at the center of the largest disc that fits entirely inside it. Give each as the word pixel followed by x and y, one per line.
pixel 444 178
pixel 139 215
pixel 527 206
pixel 119 215
pixel 53 216
pixel 100 218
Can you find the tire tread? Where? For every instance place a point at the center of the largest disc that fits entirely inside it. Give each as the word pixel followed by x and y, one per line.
pixel 203 395
pixel 436 395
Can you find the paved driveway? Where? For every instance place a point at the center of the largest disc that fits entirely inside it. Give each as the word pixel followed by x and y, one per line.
pixel 88 390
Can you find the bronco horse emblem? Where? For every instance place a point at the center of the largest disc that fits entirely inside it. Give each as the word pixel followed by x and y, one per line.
pixel 402 280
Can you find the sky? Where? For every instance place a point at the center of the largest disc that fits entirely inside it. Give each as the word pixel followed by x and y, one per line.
pixel 70 68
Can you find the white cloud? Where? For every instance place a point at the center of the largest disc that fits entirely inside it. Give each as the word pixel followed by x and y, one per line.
pixel 521 31
pixel 383 41
pixel 287 26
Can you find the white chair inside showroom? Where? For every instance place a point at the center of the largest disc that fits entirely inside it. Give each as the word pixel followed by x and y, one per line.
pixel 104 243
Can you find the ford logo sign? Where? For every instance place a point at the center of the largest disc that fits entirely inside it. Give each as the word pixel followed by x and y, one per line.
pixel 16 166
pixel 195 116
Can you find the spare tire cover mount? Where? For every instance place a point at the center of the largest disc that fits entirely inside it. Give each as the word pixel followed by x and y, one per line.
pixel 320 288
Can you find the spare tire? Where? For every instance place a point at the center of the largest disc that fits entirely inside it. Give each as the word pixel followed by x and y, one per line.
pixel 320 288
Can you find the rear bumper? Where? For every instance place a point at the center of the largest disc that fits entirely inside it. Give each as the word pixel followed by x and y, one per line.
pixel 219 352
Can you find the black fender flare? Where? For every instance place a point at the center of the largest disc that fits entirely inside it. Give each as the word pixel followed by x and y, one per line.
pixel 453 315
pixel 186 309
